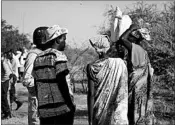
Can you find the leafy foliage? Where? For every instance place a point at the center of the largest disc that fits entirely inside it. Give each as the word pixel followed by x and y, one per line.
pixel 161 25
pixel 78 60
pixel 11 38
pixel 161 51
pixel 161 48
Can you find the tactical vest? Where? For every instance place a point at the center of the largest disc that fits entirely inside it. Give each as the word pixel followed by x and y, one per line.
pixel 50 99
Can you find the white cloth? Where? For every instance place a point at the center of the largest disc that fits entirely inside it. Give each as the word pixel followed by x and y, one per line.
pixel 28 79
pixel 22 61
pixel 120 25
pixel 125 24
pixel 16 57
pixel 15 66
pixel 6 70
pixel 111 92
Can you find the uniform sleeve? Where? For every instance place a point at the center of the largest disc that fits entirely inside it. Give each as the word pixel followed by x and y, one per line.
pixel 62 70
pixel 66 87
pixel 61 67
pixel 28 79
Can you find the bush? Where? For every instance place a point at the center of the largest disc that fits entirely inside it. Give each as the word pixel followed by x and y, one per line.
pixel 161 51
pixel 11 38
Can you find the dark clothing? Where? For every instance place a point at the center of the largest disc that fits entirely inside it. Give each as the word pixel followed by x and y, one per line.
pixel 65 119
pixel 4 93
pixel 12 94
pixel 54 99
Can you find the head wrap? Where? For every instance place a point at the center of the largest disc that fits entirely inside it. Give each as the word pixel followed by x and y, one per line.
pixel 101 43
pixel 145 33
pixel 144 30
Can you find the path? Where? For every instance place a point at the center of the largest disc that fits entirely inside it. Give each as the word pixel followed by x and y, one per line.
pixel 20 116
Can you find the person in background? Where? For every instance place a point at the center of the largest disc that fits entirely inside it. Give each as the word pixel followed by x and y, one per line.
pixel 2 56
pixel 140 75
pixel 16 56
pixel 14 65
pixel 54 90
pixel 22 62
pixel 5 73
pixel 12 91
pixel 28 80
pixel 107 85
pixel 10 88
pixel 15 62
pixel 9 67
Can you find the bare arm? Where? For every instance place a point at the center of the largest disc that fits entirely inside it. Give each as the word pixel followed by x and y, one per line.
pixel 124 38
pixel 90 98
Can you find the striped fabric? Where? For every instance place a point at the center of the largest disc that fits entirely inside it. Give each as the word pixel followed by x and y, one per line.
pixel 109 76
pixel 47 65
pixel 140 96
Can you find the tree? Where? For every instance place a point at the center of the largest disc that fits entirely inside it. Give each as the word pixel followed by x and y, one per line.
pixel 109 16
pixel 11 38
pixel 78 60
pixel 161 51
pixel 162 46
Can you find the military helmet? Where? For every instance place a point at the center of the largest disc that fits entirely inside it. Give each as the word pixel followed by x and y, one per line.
pixel 39 35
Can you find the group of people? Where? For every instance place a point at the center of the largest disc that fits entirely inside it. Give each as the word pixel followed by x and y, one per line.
pixel 10 75
pixel 119 81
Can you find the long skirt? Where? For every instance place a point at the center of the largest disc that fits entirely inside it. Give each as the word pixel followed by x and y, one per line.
pixel 140 111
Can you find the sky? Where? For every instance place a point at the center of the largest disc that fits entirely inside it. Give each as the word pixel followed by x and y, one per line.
pixel 79 17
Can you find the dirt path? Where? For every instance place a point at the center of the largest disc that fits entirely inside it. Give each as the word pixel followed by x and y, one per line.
pixel 20 116
pixel 163 108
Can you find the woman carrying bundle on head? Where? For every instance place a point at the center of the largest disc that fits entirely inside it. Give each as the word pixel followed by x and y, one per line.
pixel 140 74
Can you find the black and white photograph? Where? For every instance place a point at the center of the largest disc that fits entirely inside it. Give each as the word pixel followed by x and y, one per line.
pixel 87 62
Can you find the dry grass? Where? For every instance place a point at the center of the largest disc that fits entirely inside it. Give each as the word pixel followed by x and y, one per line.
pixel 164 102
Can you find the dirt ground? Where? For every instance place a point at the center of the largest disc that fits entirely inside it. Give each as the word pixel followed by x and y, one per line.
pixel 20 116
pixel 163 107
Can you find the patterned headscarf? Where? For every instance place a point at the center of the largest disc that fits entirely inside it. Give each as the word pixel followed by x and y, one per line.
pixel 101 43
pixel 144 30
pixel 145 33
pixel 142 33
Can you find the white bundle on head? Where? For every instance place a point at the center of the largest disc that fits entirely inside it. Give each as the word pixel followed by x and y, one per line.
pixel 125 24
pixel 118 28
